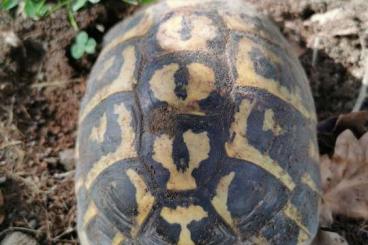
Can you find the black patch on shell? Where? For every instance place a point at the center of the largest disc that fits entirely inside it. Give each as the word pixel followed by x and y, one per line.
pixel 181 82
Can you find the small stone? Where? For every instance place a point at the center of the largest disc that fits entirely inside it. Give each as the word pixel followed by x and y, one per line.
pixel 67 159
pixel 32 223
pixel 2 179
pixel 18 238
pixel 329 238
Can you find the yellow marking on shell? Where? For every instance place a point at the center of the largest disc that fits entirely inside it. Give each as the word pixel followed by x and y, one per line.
pixel 313 151
pixel 105 67
pixel 234 22
pixel 269 123
pixel 118 239
pixel 303 238
pixel 124 82
pixel 248 77
pixel 184 216
pixel 292 213
pixel 169 35
pixel 307 179
pixel 143 197
pixel 78 185
pixel 259 240
pixel 83 238
pixel 98 132
pixel 90 214
pixel 240 148
pixel 138 30
pixel 200 84
pixel 220 201
pixel 198 147
pixel 125 150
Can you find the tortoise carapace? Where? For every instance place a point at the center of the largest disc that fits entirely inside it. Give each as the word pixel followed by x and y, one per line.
pixel 197 127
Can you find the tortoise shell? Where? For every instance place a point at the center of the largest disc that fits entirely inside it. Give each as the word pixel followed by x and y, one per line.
pixel 197 127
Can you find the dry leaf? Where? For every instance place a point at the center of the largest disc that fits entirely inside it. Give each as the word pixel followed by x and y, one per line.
pixel 345 178
pixel 331 128
pixel 329 238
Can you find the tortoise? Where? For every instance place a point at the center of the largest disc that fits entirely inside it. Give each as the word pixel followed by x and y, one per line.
pixel 197 127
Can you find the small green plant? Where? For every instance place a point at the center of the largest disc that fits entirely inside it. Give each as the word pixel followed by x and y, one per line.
pixel 36 9
pixel 83 44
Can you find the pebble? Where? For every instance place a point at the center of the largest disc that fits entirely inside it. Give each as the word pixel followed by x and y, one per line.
pixel 329 238
pixel 18 238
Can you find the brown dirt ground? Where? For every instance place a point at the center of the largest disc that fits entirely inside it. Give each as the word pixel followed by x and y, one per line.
pixel 41 86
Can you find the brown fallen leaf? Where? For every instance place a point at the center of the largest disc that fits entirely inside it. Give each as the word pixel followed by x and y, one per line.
pixel 345 179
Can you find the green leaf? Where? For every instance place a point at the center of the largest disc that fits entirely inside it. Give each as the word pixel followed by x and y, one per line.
pixel 90 47
pixel 146 1
pixel 9 4
pixel 72 20
pixel 77 51
pixel 30 9
pixel 78 4
pixel 42 9
pixel 94 1
pixel 82 38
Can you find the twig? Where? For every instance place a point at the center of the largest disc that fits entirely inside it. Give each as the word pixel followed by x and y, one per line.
pixel 9 144
pixel 66 232
pixel 64 175
pixel 22 229
pixel 49 84
pixel 363 89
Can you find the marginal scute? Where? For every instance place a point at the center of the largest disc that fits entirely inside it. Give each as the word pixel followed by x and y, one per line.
pixel 259 240
pixel 240 148
pixel 198 146
pixel 303 238
pixel 91 213
pixel 78 184
pixel 269 123
pixel 313 151
pixel 138 30
pixel 118 239
pixel 125 150
pixel 106 66
pixel 124 82
pixel 98 132
pixel 201 83
pixel 307 180
pixel 248 77
pixel 143 197
pixel 293 214
pixel 184 216
pixel 83 238
pixel 220 200
pixel 186 33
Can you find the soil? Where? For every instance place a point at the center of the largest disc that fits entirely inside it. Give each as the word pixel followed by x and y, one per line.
pixel 41 87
